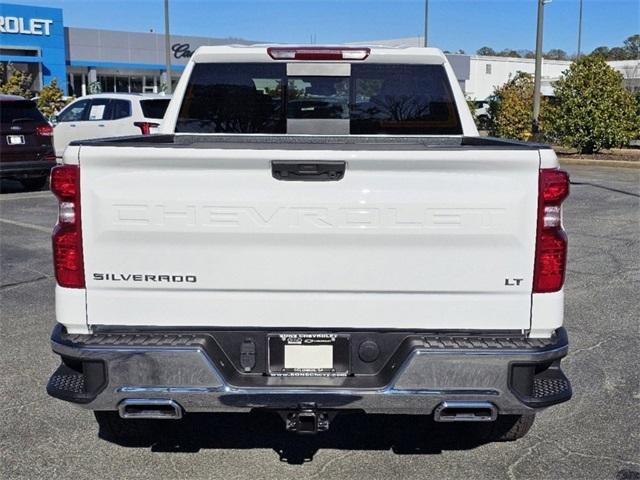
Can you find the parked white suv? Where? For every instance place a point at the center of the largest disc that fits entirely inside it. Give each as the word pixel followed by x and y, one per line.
pixel 108 115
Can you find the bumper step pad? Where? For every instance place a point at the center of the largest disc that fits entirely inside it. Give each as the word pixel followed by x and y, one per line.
pixel 544 388
pixel 79 385
pixel 66 382
pixel 551 386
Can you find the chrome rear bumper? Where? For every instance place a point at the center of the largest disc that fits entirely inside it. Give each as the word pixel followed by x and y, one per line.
pixel 100 373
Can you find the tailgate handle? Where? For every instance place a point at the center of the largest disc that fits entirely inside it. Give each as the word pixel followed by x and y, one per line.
pixel 292 170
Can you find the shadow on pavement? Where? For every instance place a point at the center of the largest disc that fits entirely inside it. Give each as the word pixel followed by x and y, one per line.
pixel 402 434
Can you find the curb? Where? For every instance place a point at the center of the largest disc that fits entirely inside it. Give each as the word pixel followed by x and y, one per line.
pixel 599 163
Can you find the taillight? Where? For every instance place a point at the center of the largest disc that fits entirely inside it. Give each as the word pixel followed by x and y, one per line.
pixel 67 235
pixel 551 240
pixel 44 130
pixel 145 127
pixel 318 53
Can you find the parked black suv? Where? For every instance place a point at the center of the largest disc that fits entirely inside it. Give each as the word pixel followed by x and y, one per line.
pixel 26 142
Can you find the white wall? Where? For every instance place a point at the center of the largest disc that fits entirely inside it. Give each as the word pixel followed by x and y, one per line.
pixel 630 70
pixel 487 73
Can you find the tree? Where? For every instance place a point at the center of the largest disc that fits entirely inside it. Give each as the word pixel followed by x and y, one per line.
pixel 629 51
pixel 602 51
pixel 18 83
pixel 617 53
pixel 486 51
pixel 510 108
pixel 556 54
pixel 507 52
pixel 51 99
pixel 593 110
pixel 96 87
pixel 471 103
pixel 632 47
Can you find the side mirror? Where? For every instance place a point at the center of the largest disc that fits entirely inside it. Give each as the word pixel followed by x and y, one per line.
pixel 54 119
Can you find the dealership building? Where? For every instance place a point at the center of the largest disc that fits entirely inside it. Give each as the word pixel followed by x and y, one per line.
pixel 85 60
pixel 35 40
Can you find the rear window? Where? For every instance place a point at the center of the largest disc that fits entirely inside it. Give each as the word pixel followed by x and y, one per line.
pixel 20 111
pixel 154 108
pixel 118 109
pixel 318 97
pixel 234 98
pixel 402 99
pixel 376 99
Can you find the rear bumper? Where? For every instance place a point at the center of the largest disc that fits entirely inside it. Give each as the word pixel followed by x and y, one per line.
pixel 515 374
pixel 26 168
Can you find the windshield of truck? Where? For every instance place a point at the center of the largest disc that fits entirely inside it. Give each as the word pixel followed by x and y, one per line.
pixel 375 99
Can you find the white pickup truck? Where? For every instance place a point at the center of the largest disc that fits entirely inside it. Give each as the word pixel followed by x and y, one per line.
pixel 315 231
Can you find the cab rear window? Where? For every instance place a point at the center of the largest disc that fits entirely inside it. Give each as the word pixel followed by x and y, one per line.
pixel 403 100
pixel 154 108
pixel 375 99
pixel 234 98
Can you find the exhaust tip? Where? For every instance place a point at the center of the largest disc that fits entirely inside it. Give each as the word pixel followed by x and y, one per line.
pixel 462 411
pixel 155 408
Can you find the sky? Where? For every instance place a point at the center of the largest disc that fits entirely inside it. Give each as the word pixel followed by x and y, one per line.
pixel 453 24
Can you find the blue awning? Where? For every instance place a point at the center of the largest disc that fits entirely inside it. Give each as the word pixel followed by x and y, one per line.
pixel 123 66
pixel 20 59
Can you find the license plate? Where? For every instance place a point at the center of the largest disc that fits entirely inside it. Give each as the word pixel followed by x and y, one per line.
pixel 308 355
pixel 15 139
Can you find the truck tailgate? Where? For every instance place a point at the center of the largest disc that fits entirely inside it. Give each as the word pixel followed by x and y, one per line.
pixel 413 239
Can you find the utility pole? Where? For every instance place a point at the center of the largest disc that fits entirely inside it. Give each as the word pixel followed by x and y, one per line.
pixel 579 31
pixel 167 46
pixel 426 21
pixel 538 74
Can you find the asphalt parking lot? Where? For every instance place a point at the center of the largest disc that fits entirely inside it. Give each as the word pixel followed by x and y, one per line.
pixel 596 435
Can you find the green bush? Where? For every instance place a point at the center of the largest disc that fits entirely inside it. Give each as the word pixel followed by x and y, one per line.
pixel 18 83
pixel 593 110
pixel 51 99
pixel 511 108
pixel 471 103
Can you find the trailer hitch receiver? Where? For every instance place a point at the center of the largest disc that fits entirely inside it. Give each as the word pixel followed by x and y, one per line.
pixel 307 419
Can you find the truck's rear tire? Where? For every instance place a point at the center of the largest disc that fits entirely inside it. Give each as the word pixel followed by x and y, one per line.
pixel 508 428
pixel 117 429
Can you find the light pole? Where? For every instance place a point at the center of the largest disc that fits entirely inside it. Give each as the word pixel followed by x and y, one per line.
pixel 579 31
pixel 426 21
pixel 537 80
pixel 167 46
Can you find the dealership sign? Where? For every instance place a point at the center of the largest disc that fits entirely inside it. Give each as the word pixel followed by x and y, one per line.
pixel 34 26
pixel 181 50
